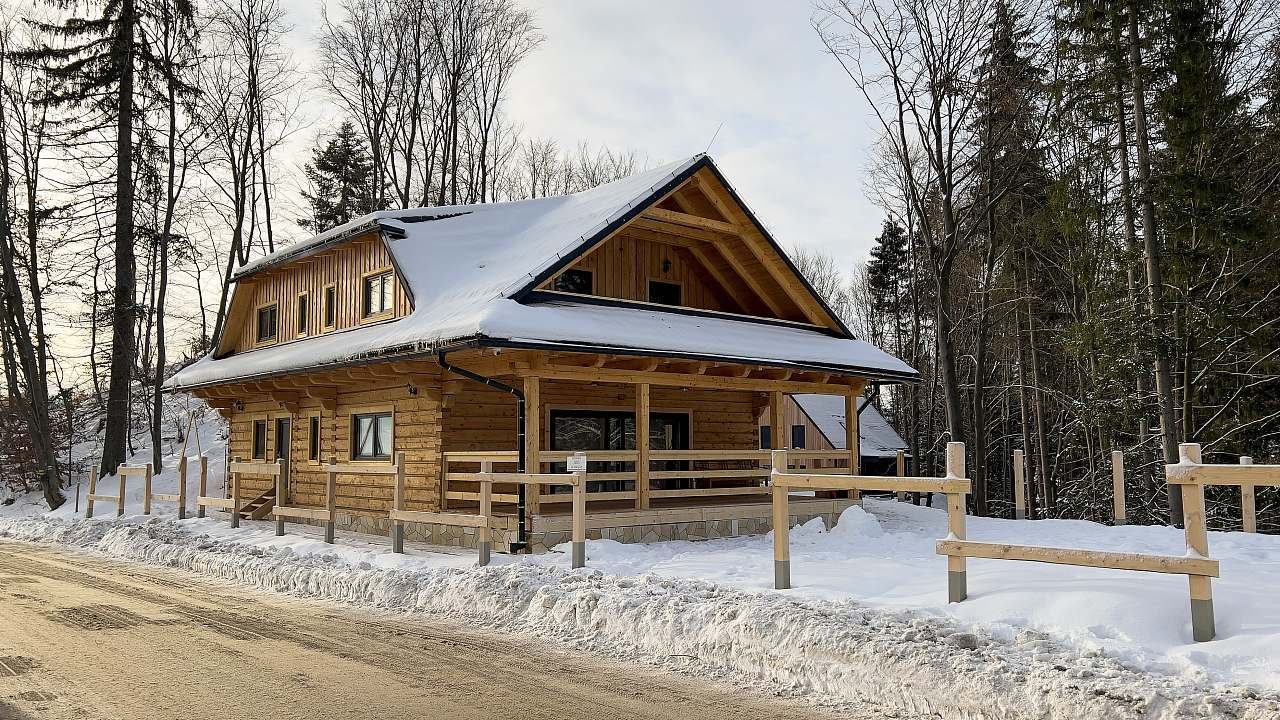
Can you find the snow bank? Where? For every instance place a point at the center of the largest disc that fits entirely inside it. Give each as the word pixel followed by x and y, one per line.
pixel 834 653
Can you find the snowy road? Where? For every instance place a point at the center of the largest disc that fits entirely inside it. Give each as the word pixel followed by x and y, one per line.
pixel 82 636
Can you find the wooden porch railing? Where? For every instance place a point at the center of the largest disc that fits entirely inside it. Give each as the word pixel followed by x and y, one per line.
pixel 720 466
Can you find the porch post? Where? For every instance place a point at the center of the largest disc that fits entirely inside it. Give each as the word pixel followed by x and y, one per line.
pixel 852 436
pixel 642 446
pixel 532 439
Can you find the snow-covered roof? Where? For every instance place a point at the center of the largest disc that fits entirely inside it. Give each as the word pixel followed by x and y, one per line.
pixel 878 438
pixel 467 267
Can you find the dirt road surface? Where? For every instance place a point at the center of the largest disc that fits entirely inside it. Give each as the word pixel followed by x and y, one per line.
pixel 88 638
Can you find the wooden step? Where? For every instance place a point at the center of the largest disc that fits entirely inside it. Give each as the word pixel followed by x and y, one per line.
pixel 260 506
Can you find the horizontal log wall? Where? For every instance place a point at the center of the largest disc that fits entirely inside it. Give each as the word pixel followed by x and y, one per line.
pixel 416 423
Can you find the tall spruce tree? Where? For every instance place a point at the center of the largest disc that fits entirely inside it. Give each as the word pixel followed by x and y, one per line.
pixel 342 181
pixel 107 64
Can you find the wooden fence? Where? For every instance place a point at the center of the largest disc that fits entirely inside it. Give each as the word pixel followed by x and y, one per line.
pixel 281 510
pixel 123 473
pixel 954 485
pixel 1196 564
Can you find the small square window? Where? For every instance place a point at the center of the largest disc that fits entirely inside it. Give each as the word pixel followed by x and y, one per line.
pixel 371 436
pixel 303 314
pixel 377 294
pixel 259 439
pixel 797 437
pixel 574 281
pixel 330 306
pixel 267 323
pixel 664 293
pixel 313 439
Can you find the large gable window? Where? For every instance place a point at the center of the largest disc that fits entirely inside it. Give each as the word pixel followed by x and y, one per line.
pixel 267 317
pixel 371 436
pixel 574 281
pixel 377 294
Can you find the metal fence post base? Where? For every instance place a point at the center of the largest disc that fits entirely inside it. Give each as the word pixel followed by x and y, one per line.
pixel 782 574
pixel 1202 624
pixel 579 554
pixel 485 549
pixel 957 586
pixel 328 532
pixel 279 526
pixel 397 538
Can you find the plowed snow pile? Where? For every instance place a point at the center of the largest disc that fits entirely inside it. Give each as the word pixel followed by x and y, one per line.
pixel 863 629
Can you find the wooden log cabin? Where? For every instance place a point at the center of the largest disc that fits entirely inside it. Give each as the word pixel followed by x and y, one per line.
pixel 654 307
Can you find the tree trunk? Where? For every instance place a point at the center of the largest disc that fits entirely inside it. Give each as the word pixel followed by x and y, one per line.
pixel 124 314
pixel 1151 244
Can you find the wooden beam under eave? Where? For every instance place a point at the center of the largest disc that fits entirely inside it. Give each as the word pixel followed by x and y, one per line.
pixel 691 220
pixel 764 254
pixel 631 377
pixel 702 257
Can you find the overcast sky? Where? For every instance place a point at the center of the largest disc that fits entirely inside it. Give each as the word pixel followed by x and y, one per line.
pixel 659 76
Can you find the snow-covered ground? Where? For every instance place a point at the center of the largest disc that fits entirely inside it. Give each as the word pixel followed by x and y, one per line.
pixel 867 621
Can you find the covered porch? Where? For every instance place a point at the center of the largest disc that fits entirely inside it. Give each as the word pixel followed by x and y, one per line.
pixel 673 447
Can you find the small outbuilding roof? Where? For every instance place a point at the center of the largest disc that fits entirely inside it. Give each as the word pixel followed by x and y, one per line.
pixel 471 271
pixel 878 438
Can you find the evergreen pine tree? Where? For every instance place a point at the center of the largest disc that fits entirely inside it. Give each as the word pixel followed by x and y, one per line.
pixel 108 65
pixel 342 182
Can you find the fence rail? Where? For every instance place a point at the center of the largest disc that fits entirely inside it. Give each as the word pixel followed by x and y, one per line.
pixel 954 485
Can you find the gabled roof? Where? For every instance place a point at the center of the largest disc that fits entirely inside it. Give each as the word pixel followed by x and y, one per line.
pixel 878 438
pixel 471 269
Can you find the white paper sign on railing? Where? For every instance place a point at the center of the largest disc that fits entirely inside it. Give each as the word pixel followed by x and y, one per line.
pixel 576 462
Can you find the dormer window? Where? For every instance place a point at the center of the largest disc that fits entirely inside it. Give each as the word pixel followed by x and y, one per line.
pixel 574 281
pixel 377 294
pixel 267 316
pixel 303 314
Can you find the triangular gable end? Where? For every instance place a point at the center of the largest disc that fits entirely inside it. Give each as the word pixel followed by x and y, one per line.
pixel 698 210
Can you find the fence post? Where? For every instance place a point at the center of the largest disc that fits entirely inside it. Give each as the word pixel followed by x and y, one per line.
pixel 1117 487
pixel 486 511
pixel 120 496
pixel 957 584
pixel 331 501
pixel 235 496
pixel 93 488
pixel 1193 516
pixel 182 487
pixel 203 488
pixel 1019 485
pixel 1248 503
pixel 902 472
pixel 781 522
pixel 580 520
pixel 397 503
pixel 146 491
pixel 281 496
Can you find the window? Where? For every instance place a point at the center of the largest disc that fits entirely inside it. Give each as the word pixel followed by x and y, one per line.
pixel 766 437
pixel 664 293
pixel 371 436
pixel 303 319
pixel 377 294
pixel 574 281
pixel 797 437
pixel 267 323
pixel 575 430
pixel 282 438
pixel 259 439
pixel 313 439
pixel 330 306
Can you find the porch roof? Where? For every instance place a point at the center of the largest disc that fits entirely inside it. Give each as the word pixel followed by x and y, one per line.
pixel 561 326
